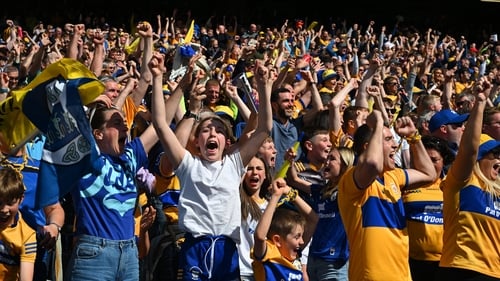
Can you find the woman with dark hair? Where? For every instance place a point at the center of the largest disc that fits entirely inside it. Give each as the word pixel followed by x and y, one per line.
pixel 424 214
pixel 253 191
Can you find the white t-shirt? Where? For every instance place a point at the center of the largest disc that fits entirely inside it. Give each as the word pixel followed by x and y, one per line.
pixel 209 202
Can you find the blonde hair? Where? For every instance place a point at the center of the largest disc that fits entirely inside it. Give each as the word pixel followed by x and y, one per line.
pixel 490 186
pixel 347 158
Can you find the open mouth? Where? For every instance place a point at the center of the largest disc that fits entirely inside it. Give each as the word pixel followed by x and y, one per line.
pixel 4 219
pixel 212 145
pixel 496 167
pixel 254 180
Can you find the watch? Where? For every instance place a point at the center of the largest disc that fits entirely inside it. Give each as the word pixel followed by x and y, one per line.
pixel 189 114
pixel 59 228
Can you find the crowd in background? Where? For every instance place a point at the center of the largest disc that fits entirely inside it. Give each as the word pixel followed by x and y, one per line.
pixel 223 134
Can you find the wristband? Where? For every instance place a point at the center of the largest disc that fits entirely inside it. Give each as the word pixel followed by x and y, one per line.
pixel 292 194
pixel 416 137
pixel 289 197
pixel 4 90
pixel 189 114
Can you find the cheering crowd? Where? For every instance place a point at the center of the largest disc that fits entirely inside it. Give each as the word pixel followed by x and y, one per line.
pixel 305 151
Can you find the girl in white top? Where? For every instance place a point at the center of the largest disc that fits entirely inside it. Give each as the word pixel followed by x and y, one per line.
pixel 209 209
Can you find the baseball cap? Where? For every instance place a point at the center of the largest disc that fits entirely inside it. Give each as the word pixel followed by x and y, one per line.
pixel 329 74
pixel 445 117
pixel 486 144
pixel 225 111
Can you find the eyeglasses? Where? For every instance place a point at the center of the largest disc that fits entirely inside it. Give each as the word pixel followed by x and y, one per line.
pixel 462 102
pixel 392 83
pixel 391 110
pixel 13 78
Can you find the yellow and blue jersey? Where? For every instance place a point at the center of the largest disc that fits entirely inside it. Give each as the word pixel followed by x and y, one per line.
pixel 375 223
pixel 472 219
pixel 273 266
pixel 17 244
pixel 424 217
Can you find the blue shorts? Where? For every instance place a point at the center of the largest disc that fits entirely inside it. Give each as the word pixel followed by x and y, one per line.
pixel 208 258
pixel 100 259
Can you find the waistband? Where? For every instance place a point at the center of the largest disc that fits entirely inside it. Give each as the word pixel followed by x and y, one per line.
pixel 190 236
pixel 105 242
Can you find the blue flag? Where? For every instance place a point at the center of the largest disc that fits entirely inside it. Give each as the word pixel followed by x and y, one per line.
pixel 55 107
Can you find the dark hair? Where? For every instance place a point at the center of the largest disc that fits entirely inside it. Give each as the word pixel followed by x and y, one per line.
pixel 322 119
pixel 96 114
pixel 248 205
pixel 440 145
pixel 228 132
pixel 351 112
pixel 488 113
pixel 276 93
pixel 309 133
pixel 360 138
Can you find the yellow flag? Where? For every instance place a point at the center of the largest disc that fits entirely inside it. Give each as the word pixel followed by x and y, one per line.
pixel 189 34
pixel 312 25
pixel 15 127
pixel 132 47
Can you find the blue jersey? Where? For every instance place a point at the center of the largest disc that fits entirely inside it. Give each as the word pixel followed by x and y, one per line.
pixel 329 241
pixel 105 202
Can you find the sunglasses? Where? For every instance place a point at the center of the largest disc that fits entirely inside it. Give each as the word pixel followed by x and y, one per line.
pixel 391 110
pixel 392 83
pixel 457 125
pixel 495 152
pixel 460 103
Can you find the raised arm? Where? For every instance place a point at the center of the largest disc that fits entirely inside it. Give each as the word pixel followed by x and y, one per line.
pixel 371 162
pixel 423 170
pixel 279 187
pixel 72 51
pixel 98 59
pixel 310 215
pixel 265 79
pixel 146 32
pixel 316 103
pixel 362 96
pixel 336 103
pixel 232 92
pixel 172 147
pixel 469 143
